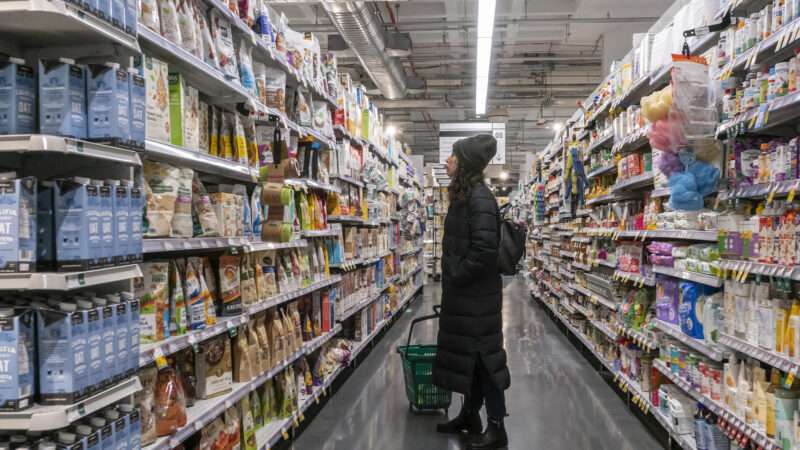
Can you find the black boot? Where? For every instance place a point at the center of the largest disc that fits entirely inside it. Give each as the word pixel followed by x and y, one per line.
pixel 464 422
pixel 493 438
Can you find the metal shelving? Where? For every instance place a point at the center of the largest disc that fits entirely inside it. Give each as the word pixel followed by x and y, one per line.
pixel 66 281
pixel 701 346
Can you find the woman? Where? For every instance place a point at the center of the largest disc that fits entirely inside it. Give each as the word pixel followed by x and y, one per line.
pixel 470 358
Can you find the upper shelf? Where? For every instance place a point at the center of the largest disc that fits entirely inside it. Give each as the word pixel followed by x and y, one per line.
pixel 201 162
pixel 64 281
pixel 42 144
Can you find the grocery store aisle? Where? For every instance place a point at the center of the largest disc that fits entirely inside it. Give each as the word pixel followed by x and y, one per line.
pixel 556 400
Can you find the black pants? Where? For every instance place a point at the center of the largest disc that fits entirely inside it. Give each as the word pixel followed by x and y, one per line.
pixel 484 389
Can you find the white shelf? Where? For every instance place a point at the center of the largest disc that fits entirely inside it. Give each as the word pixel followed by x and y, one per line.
pixel 65 281
pixel 635 182
pixel 347 179
pixel 635 278
pixel 259 246
pixel 166 245
pixel 45 418
pixel 642 339
pixel 346 219
pixel 411 252
pixel 601 170
pixel 691 235
pixel 756 268
pixel 41 144
pixel 581 266
pixel 330 232
pixel 605 330
pixel 708 280
pixel 701 346
pixel 772 358
pixel 314 184
pixel 200 162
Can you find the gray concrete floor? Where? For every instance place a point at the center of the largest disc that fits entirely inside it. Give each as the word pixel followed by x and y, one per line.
pixel 556 400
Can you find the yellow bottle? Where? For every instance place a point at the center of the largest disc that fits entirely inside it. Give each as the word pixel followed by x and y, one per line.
pixel 773 385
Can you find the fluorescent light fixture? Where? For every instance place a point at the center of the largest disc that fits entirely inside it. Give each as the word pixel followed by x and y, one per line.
pixel 504 175
pixel 391 130
pixel 483 57
pixel 557 126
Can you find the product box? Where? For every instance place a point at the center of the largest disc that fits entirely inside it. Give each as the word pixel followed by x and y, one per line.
pixel 94 341
pixel 104 10
pixel 77 226
pixel 156 75
pixel 109 346
pixel 108 94
pixel 17 97
pixel 667 299
pixel 106 214
pixel 137 103
pixel 61 347
pixel 118 12
pixel 133 331
pixel 121 340
pixel 135 224
pixel 62 98
pixel 131 16
pixel 184 113
pixel 17 223
pixel 121 205
pixel 16 359
pixel 45 226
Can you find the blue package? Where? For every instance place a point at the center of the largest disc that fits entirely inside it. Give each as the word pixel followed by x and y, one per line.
pixel 108 350
pixel 61 351
pixel 118 427
pixel 134 425
pixel 136 216
pixel 106 432
pixel 90 5
pixel 62 98
pixel 17 97
pixel 138 106
pixel 691 307
pixel 94 343
pixel 45 226
pixel 105 213
pixel 118 11
pixel 131 17
pixel 122 343
pixel 16 358
pixel 133 330
pixel 17 223
pixel 104 10
pixel 108 94
pixel 121 208
pixel 77 225
pixel 89 439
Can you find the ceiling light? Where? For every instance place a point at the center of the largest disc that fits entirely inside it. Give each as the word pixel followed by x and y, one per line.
pixel 557 126
pixel 503 175
pixel 391 130
pixel 483 53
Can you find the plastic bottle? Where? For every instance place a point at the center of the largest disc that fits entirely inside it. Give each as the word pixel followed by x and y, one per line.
pixel 699 429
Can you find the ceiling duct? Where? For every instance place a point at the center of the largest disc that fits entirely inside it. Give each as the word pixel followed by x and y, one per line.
pixel 362 32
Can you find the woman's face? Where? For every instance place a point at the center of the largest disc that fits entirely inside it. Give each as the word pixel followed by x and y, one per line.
pixel 452 165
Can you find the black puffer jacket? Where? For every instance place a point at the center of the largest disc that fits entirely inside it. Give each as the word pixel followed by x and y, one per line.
pixel 471 322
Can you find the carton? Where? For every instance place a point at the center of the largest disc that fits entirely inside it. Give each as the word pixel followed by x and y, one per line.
pixel 118 12
pixel 60 335
pixel 89 439
pixel 135 224
pixel 16 358
pixel 17 223
pixel 106 215
pixel 94 343
pixel 119 428
pixel 184 113
pixel 104 10
pixel 62 98
pixel 45 226
pixel 108 352
pixel 156 76
pixel 133 424
pixel 133 331
pixel 17 97
pixel 131 16
pixel 138 106
pixel 77 224
pixel 121 206
pixel 108 94
pixel 122 342
pixel 106 430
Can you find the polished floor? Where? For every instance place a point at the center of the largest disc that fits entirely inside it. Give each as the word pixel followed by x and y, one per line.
pixel 556 400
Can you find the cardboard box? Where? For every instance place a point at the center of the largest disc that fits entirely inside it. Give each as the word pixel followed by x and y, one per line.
pixel 18 232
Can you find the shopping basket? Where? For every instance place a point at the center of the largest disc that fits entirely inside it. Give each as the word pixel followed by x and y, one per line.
pixel 418 363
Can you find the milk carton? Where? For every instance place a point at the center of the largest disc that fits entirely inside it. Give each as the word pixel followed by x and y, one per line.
pixel 138 105
pixel 77 223
pixel 133 330
pixel 106 432
pixel 108 348
pixel 121 209
pixel 135 215
pixel 122 342
pixel 108 93
pixel 119 428
pixel 105 213
pixel 118 12
pixel 94 343
pixel 60 335
pixel 45 226
pixel 17 97
pixel 134 424
pixel 62 98
pixel 68 441
pixel 131 15
pixel 104 9
pixel 16 358
pixel 17 223
pixel 87 436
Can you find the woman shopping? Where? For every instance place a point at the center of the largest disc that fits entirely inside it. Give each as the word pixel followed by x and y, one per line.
pixel 471 359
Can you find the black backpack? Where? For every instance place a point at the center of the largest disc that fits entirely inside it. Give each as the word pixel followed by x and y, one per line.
pixel 512 243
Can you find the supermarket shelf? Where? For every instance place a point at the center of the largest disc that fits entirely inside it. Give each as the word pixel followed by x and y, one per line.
pixel 760 439
pixel 148 352
pixel 774 359
pixel 642 339
pixel 639 181
pixel 368 299
pixel 601 142
pixel 595 298
pixel 581 266
pixel 660 192
pixel 200 162
pixel 347 179
pixel 45 418
pixel 345 219
pixel 767 50
pixel 350 264
pixel 330 232
pixel 313 184
pixel 701 346
pixel 41 144
pixel 702 278
pixel 744 268
pixel 633 142
pixel 65 281
pixel 568 289
pixel 583 212
pixel 638 89
pixel 779 189
pixel 605 330
pixel 411 252
pixel 743 8
pixel 63 29
pixel 409 275
pixel 605 263
pixel 582 239
pixel 601 199
pixel 259 246
pixel 168 245
pixel 566 254
pixel 690 235
pixel 599 171
pixel 635 278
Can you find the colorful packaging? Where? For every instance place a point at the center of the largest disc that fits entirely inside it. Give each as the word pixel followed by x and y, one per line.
pixel 156 76
pixel 184 113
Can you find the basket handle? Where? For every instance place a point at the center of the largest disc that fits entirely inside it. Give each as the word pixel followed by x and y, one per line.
pixel 436 309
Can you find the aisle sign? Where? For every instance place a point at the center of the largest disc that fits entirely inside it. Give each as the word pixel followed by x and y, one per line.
pixel 449 133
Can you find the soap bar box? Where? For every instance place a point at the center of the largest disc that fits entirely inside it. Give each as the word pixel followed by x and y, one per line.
pixel 17 363
pixel 17 97
pixel 17 223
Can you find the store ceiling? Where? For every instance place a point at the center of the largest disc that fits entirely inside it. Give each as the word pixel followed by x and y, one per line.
pixel 547 55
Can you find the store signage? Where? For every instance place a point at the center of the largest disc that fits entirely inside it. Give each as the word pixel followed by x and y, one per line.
pixel 449 133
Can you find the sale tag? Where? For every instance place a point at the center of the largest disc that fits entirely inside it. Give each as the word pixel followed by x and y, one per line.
pixel 159 358
pixel 792 191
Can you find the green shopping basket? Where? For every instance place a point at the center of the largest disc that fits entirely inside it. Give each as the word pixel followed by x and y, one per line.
pixel 418 363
